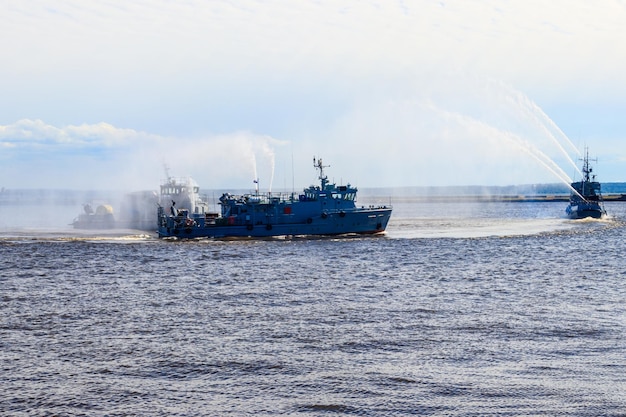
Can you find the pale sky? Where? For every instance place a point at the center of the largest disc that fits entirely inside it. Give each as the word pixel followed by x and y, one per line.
pixel 102 94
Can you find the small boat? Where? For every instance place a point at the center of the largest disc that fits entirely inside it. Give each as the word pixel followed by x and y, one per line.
pixel 586 196
pixel 327 209
pixel 136 212
pixel 101 218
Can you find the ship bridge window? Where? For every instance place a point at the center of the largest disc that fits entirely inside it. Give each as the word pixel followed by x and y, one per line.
pixel 344 196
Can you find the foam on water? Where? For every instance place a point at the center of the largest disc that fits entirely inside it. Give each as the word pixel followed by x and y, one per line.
pixel 459 228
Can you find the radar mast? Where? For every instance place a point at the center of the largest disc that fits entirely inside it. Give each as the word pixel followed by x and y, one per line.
pixel 318 165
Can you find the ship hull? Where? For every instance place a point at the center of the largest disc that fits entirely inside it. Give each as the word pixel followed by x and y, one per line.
pixel 592 211
pixel 357 222
pixel 94 221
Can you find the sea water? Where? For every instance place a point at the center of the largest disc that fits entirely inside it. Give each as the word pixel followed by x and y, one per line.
pixel 459 309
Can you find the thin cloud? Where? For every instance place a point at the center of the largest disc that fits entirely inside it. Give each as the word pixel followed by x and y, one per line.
pixel 26 134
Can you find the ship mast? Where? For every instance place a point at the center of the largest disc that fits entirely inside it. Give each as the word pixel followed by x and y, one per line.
pixel 166 168
pixel 587 170
pixel 318 165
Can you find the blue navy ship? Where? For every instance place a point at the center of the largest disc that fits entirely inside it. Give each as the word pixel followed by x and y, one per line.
pixel 327 209
pixel 587 200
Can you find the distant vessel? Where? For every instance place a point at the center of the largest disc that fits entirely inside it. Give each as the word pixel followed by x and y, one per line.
pixel 183 194
pixel 137 209
pixel 136 212
pixel 101 218
pixel 327 209
pixel 587 201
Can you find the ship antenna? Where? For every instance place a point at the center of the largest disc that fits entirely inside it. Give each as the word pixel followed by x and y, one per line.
pixel 587 169
pixel 167 172
pixel 318 165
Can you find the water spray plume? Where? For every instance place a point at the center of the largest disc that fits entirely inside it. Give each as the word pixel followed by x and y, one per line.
pixel 254 170
pixel 541 119
pixel 260 147
pixel 516 141
pixel 269 154
pixel 546 162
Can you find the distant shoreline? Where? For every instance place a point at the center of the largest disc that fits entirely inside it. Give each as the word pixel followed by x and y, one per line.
pixel 496 198
pixel 530 193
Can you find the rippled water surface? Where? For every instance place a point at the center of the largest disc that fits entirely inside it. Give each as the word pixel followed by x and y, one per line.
pixel 503 309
